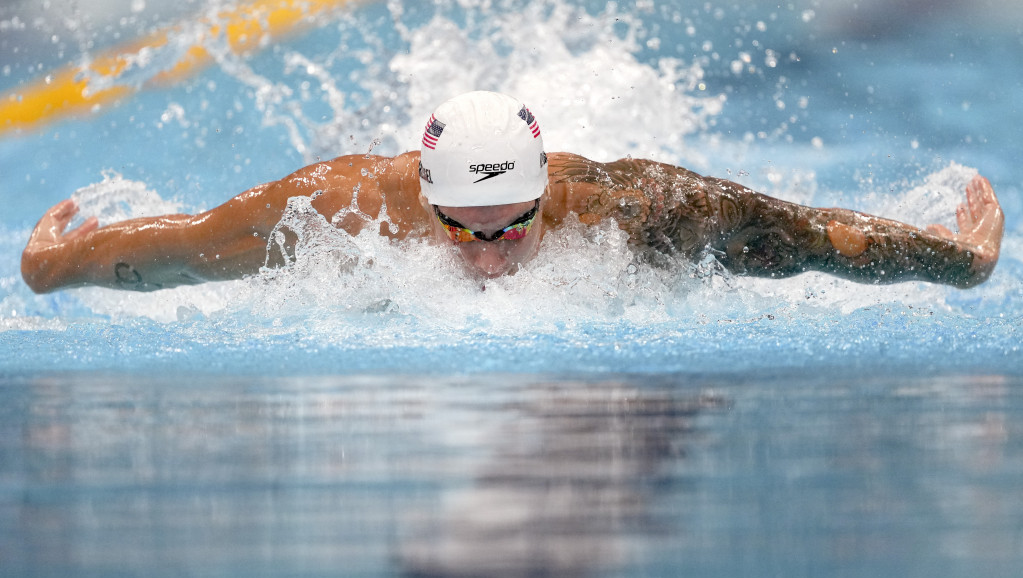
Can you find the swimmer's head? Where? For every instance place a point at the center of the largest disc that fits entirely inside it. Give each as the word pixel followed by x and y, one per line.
pixel 482 149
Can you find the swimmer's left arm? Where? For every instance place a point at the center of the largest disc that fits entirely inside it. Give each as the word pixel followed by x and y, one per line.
pixel 764 236
pixel 675 210
pixel 777 239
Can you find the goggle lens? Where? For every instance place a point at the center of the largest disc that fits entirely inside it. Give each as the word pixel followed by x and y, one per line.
pixel 462 234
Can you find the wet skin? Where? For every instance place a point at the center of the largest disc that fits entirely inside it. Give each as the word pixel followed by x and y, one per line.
pixel 663 208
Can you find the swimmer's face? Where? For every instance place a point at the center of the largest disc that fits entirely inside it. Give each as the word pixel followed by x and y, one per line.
pixel 492 241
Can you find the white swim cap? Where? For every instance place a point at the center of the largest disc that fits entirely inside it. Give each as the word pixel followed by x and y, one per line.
pixel 482 149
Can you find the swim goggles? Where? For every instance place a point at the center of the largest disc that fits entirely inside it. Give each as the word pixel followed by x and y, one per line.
pixel 459 233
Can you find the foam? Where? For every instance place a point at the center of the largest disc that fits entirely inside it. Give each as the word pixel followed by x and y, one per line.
pixel 576 73
pixel 117 199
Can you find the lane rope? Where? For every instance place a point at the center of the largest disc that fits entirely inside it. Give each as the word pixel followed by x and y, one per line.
pixel 81 89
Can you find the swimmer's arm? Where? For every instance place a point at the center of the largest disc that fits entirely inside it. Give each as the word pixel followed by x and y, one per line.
pixel 675 210
pixel 225 243
pixel 151 253
pixel 759 235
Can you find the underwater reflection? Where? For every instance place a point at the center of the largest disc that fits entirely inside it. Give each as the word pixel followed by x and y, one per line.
pixel 567 485
pixel 504 475
pixel 244 476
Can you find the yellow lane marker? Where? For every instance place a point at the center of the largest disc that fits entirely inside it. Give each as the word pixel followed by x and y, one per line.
pixel 79 89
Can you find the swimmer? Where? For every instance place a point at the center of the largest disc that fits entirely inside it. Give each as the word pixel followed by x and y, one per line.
pixel 481 182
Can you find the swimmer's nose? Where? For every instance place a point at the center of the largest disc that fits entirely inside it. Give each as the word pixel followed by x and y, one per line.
pixel 487 259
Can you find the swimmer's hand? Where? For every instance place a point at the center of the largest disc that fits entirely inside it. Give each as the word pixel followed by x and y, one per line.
pixel 49 246
pixel 981 224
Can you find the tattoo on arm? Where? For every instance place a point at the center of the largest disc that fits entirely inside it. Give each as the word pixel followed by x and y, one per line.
pixel 127 277
pixel 662 207
pixel 673 210
pixel 780 239
pixel 888 251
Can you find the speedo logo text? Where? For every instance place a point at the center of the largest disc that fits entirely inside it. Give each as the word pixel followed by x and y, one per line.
pixel 490 171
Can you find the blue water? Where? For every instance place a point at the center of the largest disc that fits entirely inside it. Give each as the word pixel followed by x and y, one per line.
pixel 786 474
pixel 369 411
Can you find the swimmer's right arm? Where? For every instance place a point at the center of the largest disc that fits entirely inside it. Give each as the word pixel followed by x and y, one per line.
pixel 227 242
pixel 151 253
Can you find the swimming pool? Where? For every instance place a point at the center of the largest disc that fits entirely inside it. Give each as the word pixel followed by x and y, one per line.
pixel 371 411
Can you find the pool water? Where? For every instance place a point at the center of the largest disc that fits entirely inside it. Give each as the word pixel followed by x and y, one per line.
pixel 654 475
pixel 371 411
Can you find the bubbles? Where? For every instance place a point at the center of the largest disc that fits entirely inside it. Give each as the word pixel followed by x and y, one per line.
pixel 174 112
pixel 12 24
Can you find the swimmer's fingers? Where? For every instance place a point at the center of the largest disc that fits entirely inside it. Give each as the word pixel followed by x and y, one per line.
pixel 941 231
pixel 980 217
pixel 968 212
pixel 48 256
pixel 986 226
pixel 986 220
pixel 964 218
pixel 90 225
pixel 980 196
pixel 54 222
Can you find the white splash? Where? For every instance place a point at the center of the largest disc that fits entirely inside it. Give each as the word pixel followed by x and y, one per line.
pixel 116 199
pixel 581 78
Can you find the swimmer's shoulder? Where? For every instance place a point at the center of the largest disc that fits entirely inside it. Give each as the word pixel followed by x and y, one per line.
pixel 378 176
pixel 361 187
pixel 399 185
pixel 642 196
pixel 573 179
pixel 588 188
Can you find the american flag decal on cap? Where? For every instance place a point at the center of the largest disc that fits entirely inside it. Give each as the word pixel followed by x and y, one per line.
pixel 527 116
pixel 432 132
